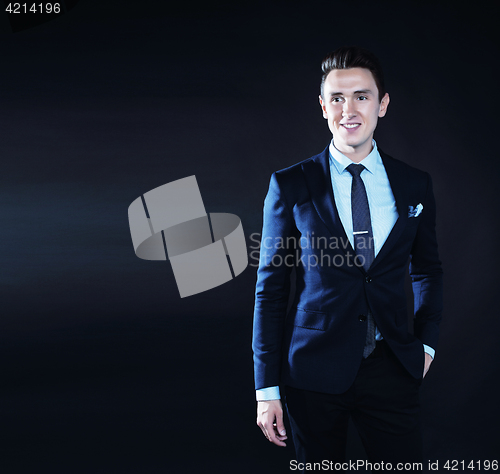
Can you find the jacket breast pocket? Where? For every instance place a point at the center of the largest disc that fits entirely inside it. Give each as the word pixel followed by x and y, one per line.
pixel 309 319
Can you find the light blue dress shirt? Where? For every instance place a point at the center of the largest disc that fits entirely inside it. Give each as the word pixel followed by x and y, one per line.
pixel 383 213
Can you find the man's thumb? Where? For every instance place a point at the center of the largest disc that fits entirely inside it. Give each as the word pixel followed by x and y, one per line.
pixel 280 426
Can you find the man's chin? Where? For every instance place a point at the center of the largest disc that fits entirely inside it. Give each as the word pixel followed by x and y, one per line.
pixel 350 145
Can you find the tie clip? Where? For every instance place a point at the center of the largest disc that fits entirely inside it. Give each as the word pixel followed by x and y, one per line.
pixel 361 232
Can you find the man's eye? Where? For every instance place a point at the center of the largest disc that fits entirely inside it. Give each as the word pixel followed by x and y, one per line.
pixel 362 97
pixel 336 99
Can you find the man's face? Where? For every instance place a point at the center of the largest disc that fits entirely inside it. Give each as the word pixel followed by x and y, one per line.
pixel 351 106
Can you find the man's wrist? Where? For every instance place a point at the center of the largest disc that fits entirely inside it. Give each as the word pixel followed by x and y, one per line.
pixel 267 394
pixel 429 350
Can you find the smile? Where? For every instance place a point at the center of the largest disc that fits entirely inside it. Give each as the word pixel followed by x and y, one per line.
pixel 351 125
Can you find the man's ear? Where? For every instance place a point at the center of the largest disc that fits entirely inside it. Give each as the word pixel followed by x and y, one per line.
pixel 323 107
pixel 384 103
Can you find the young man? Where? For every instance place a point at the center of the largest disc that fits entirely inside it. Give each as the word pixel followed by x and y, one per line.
pixel 350 218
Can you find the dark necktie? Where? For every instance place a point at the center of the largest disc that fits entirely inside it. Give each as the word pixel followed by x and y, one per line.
pixel 363 239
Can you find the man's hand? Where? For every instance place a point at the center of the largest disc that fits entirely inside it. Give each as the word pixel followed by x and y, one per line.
pixel 270 421
pixel 427 363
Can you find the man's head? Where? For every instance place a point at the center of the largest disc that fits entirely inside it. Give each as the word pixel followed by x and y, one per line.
pixel 349 57
pixel 352 98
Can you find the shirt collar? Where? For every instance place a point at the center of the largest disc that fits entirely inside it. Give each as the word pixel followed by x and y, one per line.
pixel 341 162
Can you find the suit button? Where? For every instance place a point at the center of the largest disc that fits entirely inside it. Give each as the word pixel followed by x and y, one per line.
pixel 362 317
pixel 368 279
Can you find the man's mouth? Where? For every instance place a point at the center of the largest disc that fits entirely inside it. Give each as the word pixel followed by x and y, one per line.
pixel 350 125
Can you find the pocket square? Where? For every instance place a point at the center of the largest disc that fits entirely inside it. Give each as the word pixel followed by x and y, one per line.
pixel 415 211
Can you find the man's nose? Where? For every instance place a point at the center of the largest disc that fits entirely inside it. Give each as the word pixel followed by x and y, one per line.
pixel 348 109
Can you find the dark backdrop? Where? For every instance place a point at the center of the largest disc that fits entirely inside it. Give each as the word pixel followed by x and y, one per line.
pixel 103 368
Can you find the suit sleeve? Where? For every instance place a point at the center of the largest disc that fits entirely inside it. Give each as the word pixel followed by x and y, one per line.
pixel 273 286
pixel 427 274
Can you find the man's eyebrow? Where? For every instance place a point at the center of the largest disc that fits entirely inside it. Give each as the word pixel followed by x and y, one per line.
pixel 364 91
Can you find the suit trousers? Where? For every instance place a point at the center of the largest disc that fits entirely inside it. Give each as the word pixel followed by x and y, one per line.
pixel 383 402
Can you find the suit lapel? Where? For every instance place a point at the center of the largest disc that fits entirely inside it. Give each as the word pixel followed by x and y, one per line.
pixel 317 175
pixel 319 182
pixel 398 180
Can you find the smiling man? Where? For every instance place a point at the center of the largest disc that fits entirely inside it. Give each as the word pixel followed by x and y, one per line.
pixel 353 216
pixel 352 104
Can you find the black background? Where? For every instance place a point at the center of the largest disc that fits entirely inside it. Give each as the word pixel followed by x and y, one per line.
pixel 103 367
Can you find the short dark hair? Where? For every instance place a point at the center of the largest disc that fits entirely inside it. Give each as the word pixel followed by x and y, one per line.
pixel 348 57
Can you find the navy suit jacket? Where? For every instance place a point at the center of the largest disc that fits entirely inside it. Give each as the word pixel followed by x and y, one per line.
pixel 318 344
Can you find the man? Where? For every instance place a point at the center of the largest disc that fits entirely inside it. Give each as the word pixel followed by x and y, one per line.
pixel 350 218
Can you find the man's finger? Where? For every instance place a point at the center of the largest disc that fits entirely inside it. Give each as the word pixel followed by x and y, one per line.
pixel 269 430
pixel 269 414
pixel 273 437
pixel 280 425
pixel 278 436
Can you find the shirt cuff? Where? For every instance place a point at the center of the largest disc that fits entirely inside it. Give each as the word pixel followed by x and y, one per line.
pixel 429 350
pixel 268 393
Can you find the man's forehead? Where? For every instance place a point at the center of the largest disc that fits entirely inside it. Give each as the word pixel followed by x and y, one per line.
pixel 349 80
